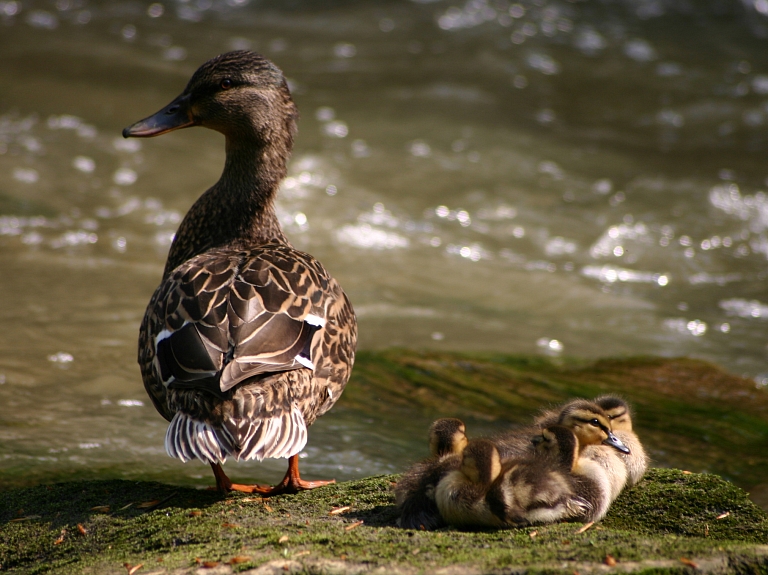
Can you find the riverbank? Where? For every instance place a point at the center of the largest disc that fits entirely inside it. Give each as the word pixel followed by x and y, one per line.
pixel 672 522
pixel 690 414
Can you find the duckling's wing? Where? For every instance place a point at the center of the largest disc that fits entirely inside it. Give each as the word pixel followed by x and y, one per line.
pixel 414 492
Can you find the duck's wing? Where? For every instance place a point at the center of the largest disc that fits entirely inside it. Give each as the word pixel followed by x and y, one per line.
pixel 227 316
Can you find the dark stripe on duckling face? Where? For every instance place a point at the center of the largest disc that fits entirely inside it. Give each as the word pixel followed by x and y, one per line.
pixel 616 415
pixel 611 440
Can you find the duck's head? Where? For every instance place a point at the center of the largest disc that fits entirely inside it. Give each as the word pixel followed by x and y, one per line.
pixel 447 435
pixel 590 424
pixel 480 462
pixel 559 443
pixel 240 94
pixel 617 410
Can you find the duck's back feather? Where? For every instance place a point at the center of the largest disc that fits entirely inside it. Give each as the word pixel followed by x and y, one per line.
pixel 244 349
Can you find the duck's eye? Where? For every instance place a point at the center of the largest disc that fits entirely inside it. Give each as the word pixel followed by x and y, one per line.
pixel 594 423
pixel 226 84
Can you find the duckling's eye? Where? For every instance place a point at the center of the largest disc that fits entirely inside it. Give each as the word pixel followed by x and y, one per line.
pixel 226 84
pixel 594 423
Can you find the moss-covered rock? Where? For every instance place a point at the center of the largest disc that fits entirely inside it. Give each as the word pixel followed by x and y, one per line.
pixel 689 413
pixel 667 523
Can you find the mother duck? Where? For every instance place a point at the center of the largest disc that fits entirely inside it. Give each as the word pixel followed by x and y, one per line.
pixel 247 340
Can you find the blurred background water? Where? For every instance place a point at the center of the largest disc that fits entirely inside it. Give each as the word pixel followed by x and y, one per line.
pixel 582 178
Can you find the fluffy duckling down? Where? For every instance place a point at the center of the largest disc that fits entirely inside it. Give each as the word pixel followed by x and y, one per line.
pixel 461 494
pixel 559 483
pixel 553 483
pixel 601 455
pixel 620 414
pixel 415 491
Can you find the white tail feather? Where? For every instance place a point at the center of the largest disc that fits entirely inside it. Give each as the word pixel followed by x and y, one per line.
pixel 188 438
pixel 275 437
pixel 282 435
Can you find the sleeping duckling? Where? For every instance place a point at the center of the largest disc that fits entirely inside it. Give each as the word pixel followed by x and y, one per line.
pixel 553 485
pixel 619 412
pixel 414 492
pixel 565 485
pixel 460 494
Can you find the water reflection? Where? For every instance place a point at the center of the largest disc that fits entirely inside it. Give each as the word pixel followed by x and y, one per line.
pixel 537 176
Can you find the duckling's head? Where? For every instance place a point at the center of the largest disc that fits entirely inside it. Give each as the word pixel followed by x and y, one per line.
pixel 481 462
pixel 590 424
pixel 241 94
pixel 447 435
pixel 559 443
pixel 617 410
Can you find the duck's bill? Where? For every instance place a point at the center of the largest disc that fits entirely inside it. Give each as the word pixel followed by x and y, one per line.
pixel 616 443
pixel 174 116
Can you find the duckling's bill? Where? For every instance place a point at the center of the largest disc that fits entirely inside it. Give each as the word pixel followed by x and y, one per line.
pixel 174 116
pixel 616 443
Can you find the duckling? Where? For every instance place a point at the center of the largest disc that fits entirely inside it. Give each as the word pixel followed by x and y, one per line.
pixel 460 495
pixel 567 485
pixel 607 455
pixel 550 486
pixel 415 490
pixel 620 414
pixel 553 482
pixel 246 341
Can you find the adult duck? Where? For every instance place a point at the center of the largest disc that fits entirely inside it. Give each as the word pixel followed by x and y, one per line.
pixel 247 340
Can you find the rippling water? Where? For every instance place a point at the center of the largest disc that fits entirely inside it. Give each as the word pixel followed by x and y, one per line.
pixel 578 178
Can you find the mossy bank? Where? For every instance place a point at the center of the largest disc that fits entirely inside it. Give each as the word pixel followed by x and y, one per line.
pixel 690 414
pixel 672 522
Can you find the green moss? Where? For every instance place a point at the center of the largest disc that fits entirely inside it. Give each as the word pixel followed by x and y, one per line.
pixel 667 516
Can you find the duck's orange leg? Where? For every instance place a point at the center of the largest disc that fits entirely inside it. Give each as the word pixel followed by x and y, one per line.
pixel 291 483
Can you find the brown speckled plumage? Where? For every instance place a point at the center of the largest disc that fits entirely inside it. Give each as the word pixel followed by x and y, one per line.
pixel 246 341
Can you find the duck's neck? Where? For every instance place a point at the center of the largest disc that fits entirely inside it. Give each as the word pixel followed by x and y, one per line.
pixel 238 211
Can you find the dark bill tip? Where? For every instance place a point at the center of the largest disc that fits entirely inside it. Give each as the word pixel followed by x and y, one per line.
pixel 174 116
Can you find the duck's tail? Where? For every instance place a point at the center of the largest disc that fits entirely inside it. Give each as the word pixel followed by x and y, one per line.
pixel 188 438
pixel 261 421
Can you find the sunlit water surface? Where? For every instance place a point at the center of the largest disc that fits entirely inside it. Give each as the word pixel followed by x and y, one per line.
pixel 539 177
